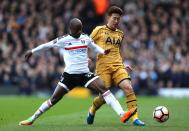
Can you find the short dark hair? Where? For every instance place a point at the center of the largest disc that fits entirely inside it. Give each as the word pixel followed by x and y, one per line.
pixel 114 9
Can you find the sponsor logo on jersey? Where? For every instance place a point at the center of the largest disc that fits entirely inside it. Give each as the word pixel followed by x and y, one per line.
pixel 78 51
pixel 113 41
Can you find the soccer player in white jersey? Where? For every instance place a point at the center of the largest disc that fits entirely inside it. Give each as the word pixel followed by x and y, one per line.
pixel 76 72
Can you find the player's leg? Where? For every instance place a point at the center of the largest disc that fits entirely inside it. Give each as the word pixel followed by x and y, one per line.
pixel 122 78
pixel 98 85
pixel 59 92
pixel 98 101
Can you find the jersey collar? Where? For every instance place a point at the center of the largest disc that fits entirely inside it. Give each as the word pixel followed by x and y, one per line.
pixel 74 36
pixel 110 28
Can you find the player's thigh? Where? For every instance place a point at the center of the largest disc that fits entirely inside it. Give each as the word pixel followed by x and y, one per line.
pixel 64 86
pixel 94 82
pixel 59 92
pixel 97 85
pixel 123 80
pixel 107 79
pixel 120 75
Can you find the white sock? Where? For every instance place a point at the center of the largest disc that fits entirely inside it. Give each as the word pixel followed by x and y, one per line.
pixel 44 107
pixel 113 102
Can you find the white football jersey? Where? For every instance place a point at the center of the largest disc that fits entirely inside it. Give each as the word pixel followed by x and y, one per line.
pixel 74 52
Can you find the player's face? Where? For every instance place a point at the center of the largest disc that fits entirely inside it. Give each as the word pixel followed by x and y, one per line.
pixel 76 30
pixel 113 20
pixel 76 33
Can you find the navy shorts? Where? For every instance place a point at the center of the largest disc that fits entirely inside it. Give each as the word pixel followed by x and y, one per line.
pixel 69 81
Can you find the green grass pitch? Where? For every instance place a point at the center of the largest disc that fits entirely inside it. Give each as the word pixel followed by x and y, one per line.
pixel 70 114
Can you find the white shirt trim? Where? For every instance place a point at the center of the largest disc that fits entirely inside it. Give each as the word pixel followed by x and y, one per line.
pixel 91 80
pixel 63 85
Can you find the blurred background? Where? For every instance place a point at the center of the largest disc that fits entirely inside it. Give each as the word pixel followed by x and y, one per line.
pixel 156 43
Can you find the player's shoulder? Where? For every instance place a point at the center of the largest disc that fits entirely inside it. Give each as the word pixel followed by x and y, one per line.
pixel 63 37
pixel 116 31
pixel 98 28
pixel 84 35
pixel 104 27
pixel 119 31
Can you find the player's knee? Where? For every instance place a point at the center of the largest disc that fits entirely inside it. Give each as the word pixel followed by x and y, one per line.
pixel 127 87
pixel 102 89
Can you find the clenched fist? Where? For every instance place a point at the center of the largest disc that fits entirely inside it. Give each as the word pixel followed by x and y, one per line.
pixel 107 51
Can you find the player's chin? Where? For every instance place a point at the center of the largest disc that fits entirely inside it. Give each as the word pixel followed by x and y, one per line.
pixel 115 26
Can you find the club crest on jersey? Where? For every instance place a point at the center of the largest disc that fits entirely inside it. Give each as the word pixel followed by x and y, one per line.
pixel 83 41
pixel 106 33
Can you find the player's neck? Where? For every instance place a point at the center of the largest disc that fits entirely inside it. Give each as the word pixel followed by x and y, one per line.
pixel 75 36
pixel 109 27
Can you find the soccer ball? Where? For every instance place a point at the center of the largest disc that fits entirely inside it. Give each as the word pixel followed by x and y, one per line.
pixel 161 114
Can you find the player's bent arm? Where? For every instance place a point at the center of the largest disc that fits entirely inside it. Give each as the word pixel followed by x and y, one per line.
pixel 96 48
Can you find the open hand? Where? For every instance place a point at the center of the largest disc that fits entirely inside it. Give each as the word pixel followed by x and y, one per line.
pixel 28 55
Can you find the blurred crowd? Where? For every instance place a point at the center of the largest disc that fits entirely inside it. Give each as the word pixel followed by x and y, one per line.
pixel 157 43
pixel 156 40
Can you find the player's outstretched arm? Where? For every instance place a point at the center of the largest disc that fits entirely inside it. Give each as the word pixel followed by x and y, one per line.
pixel 40 48
pixel 43 47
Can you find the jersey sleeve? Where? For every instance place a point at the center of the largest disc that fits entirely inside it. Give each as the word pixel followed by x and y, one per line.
pixel 58 43
pixel 94 46
pixel 122 39
pixel 95 34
